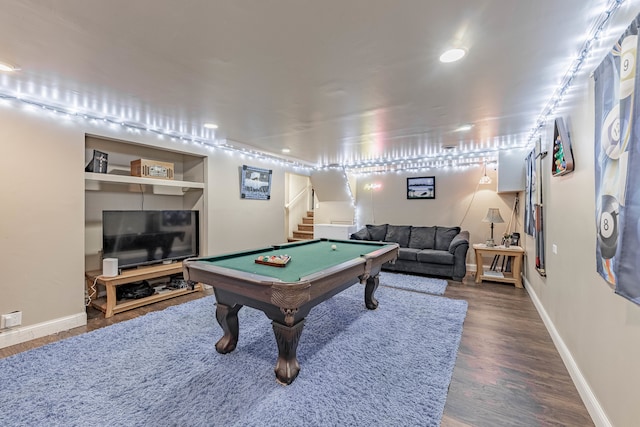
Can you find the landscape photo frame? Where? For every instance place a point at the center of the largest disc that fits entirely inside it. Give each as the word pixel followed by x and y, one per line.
pixel 423 187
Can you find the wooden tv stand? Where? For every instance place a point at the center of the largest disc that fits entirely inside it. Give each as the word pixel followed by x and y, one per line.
pixel 111 306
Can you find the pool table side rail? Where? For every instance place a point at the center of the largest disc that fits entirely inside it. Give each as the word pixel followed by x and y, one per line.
pixel 324 239
pixel 258 251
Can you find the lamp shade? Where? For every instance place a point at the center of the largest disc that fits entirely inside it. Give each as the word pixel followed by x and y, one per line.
pixel 493 216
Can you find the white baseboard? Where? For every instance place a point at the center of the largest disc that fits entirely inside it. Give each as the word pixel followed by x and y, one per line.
pixel 27 333
pixel 594 408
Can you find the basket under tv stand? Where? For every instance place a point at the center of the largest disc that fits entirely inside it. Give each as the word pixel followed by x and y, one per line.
pixel 109 305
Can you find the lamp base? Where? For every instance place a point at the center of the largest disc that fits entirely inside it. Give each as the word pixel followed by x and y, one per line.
pixel 490 243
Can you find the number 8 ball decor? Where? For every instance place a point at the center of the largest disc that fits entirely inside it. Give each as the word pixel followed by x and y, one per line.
pixel 608 226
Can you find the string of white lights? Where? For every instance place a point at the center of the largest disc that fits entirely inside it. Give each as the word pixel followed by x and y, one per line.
pixel 454 164
pixel 380 165
pixel 139 127
pixel 430 161
pixel 573 70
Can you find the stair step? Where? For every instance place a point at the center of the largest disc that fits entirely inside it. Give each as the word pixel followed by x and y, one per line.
pixel 307 220
pixel 303 235
pixel 305 227
pixel 310 214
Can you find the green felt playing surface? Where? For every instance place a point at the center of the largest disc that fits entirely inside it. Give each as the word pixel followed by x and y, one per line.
pixel 305 259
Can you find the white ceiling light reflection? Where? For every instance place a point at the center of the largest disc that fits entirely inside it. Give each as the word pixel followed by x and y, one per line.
pixel 453 55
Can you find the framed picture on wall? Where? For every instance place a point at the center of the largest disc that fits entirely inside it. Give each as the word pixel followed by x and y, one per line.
pixel 255 183
pixel 421 188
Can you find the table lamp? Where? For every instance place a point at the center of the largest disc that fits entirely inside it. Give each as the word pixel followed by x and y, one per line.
pixel 493 216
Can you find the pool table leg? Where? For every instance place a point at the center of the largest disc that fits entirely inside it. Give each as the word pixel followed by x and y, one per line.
pixel 287 337
pixel 228 319
pixel 372 284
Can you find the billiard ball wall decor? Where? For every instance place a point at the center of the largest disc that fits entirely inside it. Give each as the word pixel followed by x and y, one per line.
pixel 562 162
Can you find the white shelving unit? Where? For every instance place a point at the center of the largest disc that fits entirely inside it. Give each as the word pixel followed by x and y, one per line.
pixel 93 180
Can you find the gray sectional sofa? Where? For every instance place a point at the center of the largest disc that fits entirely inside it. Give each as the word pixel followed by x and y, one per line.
pixel 436 250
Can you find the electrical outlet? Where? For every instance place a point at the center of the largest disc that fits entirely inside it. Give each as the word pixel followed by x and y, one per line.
pixel 10 320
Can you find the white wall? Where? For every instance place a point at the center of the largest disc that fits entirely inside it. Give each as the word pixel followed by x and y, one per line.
pixel 334 195
pixel 235 223
pixel 42 217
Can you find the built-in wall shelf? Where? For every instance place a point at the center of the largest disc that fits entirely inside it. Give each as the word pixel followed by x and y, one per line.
pixel 91 179
pixel 118 189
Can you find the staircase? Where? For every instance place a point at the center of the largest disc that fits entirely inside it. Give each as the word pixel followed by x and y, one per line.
pixel 305 230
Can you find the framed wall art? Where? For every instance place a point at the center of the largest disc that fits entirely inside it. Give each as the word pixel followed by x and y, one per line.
pixel 421 188
pixel 255 183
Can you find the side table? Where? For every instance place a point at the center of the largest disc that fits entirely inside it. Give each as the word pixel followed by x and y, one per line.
pixel 515 252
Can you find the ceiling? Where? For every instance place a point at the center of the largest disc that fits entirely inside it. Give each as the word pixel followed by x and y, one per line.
pixel 333 81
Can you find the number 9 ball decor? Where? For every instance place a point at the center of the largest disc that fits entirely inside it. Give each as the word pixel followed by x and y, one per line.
pixel 608 226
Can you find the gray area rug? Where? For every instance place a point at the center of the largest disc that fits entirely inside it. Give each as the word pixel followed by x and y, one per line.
pixel 410 282
pixel 390 366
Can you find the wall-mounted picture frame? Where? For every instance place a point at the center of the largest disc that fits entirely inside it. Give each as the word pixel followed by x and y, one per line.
pixel 255 183
pixel 423 187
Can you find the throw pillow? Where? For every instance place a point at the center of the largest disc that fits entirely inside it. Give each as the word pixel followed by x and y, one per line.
pixel 422 237
pixel 377 232
pixel 398 234
pixel 362 234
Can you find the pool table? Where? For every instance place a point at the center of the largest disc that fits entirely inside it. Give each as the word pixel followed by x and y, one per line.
pixel 317 270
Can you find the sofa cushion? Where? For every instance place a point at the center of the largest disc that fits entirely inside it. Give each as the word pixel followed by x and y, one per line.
pixel 422 237
pixel 444 236
pixel 377 232
pixel 408 254
pixel 362 234
pixel 398 234
pixel 434 256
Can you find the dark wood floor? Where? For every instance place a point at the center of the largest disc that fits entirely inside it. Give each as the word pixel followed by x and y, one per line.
pixel 507 373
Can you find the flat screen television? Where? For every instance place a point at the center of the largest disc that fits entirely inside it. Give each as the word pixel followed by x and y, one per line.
pixel 149 237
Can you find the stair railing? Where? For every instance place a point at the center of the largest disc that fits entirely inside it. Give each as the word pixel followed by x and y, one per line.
pixel 296 208
pixel 297 197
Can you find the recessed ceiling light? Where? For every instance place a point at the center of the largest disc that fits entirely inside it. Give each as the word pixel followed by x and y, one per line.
pixel 453 55
pixel 464 128
pixel 7 67
pixel 211 126
pixel 286 150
